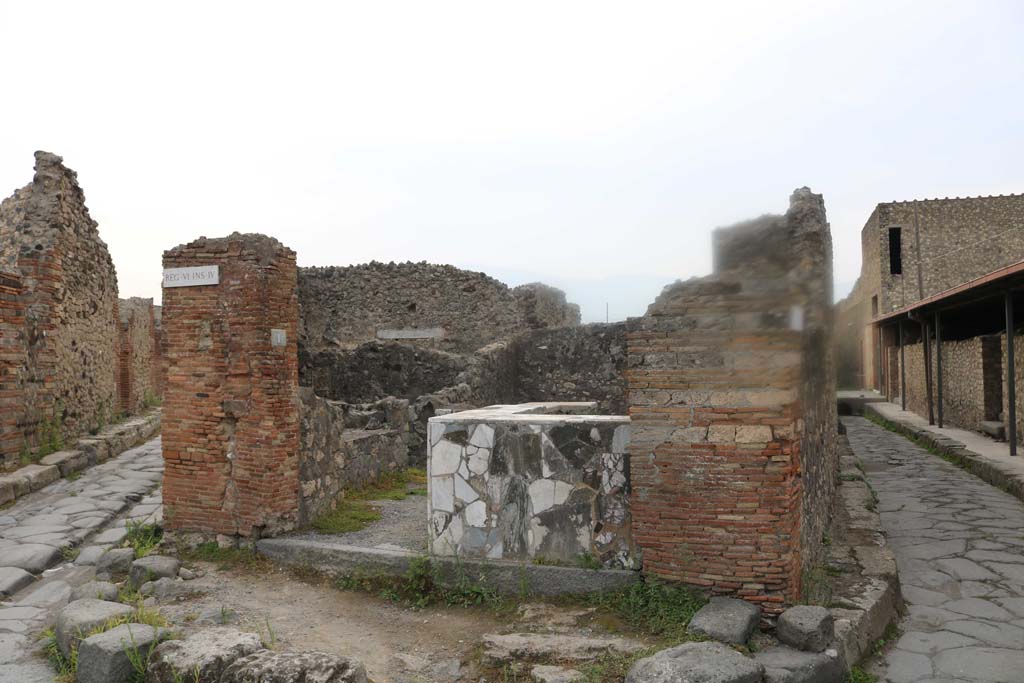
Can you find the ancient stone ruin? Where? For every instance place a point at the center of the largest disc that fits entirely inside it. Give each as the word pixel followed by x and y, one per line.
pixel 731 394
pixel 726 483
pixel 66 365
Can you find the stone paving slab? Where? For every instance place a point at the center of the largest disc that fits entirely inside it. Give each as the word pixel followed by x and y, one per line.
pixel 35 534
pixel 959 546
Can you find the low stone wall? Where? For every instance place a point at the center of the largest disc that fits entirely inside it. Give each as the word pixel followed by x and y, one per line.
pixel 428 304
pixel 104 445
pixel 342 446
pixel 527 483
pixel 377 369
pixel 582 363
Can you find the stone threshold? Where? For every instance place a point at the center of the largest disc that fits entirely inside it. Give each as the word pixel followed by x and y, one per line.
pixel 89 451
pixel 980 455
pixel 866 597
pixel 504 576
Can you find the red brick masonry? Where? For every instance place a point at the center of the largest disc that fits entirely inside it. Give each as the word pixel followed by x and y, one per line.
pixel 231 413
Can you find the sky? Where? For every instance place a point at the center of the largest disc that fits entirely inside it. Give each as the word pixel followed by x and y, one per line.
pixel 589 145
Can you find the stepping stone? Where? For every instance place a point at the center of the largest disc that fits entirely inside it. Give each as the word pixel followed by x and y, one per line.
pixel 152 568
pixel 267 665
pixel 31 557
pixel 82 616
pixel 13 579
pixel 97 590
pixel 805 627
pixel 527 647
pixel 727 620
pixel 786 664
pixel 209 652
pixel 708 662
pixel 105 657
pixel 115 561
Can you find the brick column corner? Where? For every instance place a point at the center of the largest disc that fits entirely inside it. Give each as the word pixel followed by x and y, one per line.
pixel 231 411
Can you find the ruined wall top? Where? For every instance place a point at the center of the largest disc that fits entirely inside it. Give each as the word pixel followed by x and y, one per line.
pixel 441 305
pixel 33 217
pixel 250 246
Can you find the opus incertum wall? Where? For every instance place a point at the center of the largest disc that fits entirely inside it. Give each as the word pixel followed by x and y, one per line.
pixel 231 411
pixel 531 482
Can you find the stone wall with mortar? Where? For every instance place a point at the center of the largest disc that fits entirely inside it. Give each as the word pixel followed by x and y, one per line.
pixel 61 336
pixel 231 407
pixel 543 306
pixel 526 483
pixel 138 354
pixel 972 380
pixel 343 307
pixel 1018 363
pixel 342 446
pixel 732 398
pixel 582 363
pixel 944 243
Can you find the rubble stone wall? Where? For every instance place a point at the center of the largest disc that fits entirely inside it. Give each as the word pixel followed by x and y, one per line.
pixel 231 407
pixel 139 354
pixel 513 482
pixel 581 363
pixel 732 397
pixel 61 339
pixel 972 380
pixel 435 305
pixel 344 446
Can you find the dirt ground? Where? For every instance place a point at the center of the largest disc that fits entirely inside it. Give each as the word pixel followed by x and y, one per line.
pixel 397 644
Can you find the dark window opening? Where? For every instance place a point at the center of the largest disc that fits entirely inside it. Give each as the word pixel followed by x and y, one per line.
pixel 895 251
pixel 411 307
pixel 874 306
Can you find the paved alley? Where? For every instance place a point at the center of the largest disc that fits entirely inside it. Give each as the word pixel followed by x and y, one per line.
pixel 959 545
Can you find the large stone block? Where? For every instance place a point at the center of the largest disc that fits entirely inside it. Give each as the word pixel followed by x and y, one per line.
pixel 806 627
pixel 785 665
pixel 32 557
pixel 696 663
pixel 725 619
pixel 152 568
pixel 266 666
pixel 115 656
pixel 82 616
pixel 116 561
pixel 204 655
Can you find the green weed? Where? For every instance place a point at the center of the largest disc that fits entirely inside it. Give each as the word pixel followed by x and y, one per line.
pixel 226 558
pixel 143 538
pixel 353 511
pixel 859 675
pixel 660 609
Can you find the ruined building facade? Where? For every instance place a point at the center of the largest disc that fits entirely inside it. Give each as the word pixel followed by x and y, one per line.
pixel 60 330
pixel 935 270
pixel 914 250
pixel 731 394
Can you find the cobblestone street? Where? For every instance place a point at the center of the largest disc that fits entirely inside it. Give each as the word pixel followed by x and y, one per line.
pixel 959 545
pixel 49 540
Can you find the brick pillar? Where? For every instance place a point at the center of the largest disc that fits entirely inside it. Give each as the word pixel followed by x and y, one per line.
pixel 732 398
pixel 231 421
pixel 12 361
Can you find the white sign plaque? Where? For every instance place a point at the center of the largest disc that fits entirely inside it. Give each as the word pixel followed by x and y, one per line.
pixel 191 277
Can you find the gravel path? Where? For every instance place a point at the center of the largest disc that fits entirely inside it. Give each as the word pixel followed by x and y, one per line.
pixel 959 546
pixel 39 535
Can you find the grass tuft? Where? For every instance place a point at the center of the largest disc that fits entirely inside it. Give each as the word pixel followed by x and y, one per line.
pixel 353 511
pixel 143 538
pixel 658 609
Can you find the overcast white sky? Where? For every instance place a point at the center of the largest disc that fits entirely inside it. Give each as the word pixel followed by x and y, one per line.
pixel 589 145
